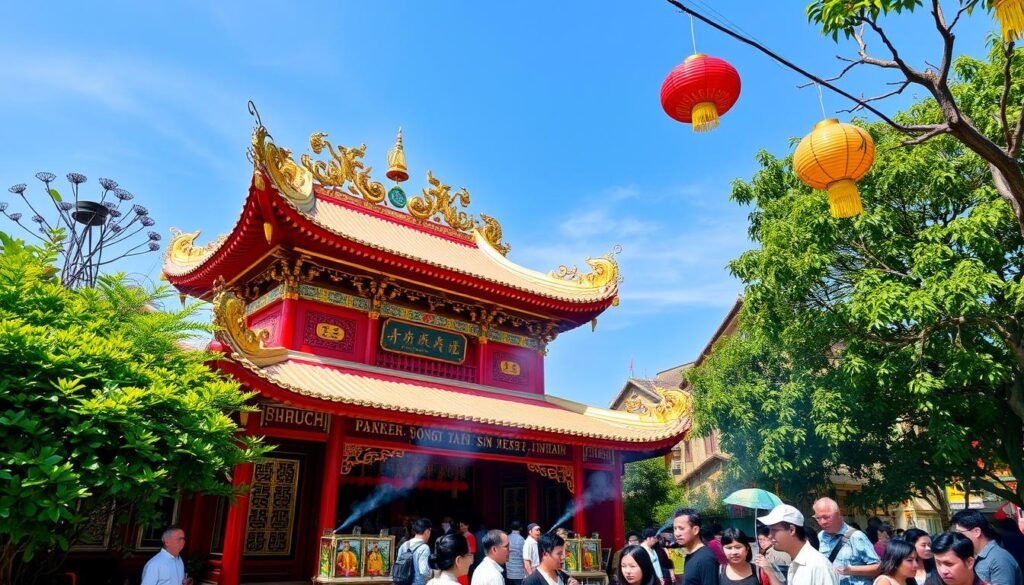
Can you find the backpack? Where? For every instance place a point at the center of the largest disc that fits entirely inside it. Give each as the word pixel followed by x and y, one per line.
pixel 403 572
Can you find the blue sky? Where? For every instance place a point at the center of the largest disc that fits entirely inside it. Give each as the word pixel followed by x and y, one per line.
pixel 547 112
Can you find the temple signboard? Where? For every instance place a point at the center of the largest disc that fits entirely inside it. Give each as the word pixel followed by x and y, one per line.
pixel 421 341
pixel 421 436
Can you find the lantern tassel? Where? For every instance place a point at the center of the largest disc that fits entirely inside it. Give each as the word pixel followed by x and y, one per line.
pixel 844 199
pixel 704 117
pixel 1011 18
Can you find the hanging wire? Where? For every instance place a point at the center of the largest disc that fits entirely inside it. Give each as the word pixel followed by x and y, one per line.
pixel 821 101
pixel 724 21
pixel 693 35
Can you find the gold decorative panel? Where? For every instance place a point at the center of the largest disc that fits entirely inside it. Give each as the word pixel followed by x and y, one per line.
pixel 272 508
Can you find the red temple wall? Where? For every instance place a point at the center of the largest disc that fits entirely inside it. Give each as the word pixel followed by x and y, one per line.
pixel 512 368
pixel 331 331
pixel 269 318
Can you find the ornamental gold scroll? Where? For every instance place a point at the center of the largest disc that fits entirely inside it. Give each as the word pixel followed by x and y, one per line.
pixel 672 406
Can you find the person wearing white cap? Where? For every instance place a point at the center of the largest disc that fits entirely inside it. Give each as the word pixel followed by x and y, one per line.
pixel 809 567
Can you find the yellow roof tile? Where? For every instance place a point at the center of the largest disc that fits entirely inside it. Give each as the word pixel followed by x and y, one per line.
pixel 542 413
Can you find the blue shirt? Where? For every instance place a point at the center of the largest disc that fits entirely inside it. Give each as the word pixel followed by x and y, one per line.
pixel 855 552
pixel 995 566
pixel 514 568
pixel 163 569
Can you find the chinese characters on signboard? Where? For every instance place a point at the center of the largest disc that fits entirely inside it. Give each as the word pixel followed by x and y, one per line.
pixel 425 342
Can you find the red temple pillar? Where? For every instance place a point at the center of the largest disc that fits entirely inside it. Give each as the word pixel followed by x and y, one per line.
pixel 579 519
pixel 332 476
pixel 238 512
pixel 372 339
pixel 288 308
pixel 618 514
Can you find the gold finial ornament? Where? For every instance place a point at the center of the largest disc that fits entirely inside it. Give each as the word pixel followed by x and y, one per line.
pixel 397 169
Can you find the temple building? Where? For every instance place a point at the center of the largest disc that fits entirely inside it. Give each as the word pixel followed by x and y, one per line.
pixel 397 354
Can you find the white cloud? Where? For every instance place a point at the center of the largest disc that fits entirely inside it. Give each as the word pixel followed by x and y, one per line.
pixel 668 261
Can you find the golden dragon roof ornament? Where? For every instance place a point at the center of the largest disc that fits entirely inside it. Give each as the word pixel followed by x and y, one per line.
pixel 344 170
pixel 673 405
pixel 229 320
pixel 604 271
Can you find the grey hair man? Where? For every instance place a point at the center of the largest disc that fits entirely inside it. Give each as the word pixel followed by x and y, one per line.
pixel 850 551
pixel 166 566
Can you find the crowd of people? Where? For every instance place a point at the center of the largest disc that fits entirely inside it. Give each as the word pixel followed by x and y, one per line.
pixel 784 551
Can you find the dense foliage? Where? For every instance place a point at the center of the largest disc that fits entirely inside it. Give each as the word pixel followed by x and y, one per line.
pixel 890 346
pixel 102 409
pixel 648 495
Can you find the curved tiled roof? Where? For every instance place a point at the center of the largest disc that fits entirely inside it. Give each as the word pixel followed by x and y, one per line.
pixel 433 399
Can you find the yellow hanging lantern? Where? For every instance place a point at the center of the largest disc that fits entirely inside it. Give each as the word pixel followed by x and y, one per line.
pixel 833 157
pixel 1010 14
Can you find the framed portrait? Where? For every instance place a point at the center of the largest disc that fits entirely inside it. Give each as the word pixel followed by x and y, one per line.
pixel 572 556
pixel 590 554
pixel 348 557
pixel 377 556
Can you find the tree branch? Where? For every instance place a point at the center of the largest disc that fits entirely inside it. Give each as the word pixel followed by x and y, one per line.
pixel 678 4
pixel 938 129
pixel 947 42
pixel 960 13
pixel 915 76
pixel 902 86
pixel 1003 122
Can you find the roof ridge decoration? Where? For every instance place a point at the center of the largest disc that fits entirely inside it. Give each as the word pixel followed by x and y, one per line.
pixel 345 168
pixel 673 405
pixel 605 270
pixel 183 251
pixel 229 321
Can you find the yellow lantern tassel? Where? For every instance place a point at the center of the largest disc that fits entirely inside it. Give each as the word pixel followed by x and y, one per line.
pixel 268 230
pixel 704 117
pixel 1011 18
pixel 844 199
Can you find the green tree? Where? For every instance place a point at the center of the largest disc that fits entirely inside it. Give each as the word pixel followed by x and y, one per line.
pixel 899 333
pixel 102 409
pixel 648 494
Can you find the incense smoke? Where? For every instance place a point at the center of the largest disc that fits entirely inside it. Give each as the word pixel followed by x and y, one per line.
pixel 386 492
pixel 599 489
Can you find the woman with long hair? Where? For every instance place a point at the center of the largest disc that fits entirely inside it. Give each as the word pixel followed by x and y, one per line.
pixel 899 564
pixel 738 570
pixel 451 559
pixel 636 568
pixel 922 542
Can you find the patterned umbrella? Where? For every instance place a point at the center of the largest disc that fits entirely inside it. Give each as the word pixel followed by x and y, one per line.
pixel 755 498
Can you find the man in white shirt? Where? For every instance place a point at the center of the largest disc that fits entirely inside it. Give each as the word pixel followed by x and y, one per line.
pixel 531 556
pixel 166 567
pixel 809 567
pixel 495 547
pixel 650 537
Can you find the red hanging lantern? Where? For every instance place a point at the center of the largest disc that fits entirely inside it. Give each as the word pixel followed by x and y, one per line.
pixel 699 90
